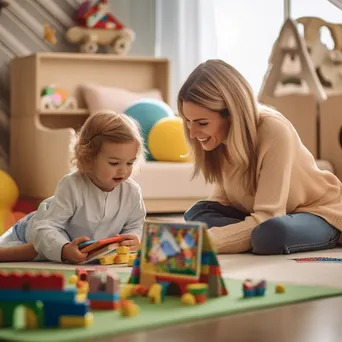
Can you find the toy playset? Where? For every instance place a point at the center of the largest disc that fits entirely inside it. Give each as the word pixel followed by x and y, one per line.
pixel 97 26
pixel 177 258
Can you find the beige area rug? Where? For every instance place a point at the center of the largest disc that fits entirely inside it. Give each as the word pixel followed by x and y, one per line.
pixel 279 268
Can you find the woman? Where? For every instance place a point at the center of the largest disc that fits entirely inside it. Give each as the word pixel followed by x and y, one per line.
pixel 270 197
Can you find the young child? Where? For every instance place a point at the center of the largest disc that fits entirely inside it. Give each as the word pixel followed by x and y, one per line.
pixel 97 201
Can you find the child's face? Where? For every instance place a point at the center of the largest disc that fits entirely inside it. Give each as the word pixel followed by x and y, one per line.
pixel 206 126
pixel 113 164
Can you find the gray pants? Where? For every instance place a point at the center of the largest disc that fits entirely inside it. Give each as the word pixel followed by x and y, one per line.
pixel 299 232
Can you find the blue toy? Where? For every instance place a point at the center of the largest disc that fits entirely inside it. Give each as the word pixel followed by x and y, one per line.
pixel 147 112
pixel 251 289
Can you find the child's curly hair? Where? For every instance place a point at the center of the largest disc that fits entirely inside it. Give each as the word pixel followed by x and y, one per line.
pixel 101 127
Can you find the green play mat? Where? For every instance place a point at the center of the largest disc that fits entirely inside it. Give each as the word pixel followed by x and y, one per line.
pixel 110 323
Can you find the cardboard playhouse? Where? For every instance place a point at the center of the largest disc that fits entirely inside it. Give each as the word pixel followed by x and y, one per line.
pixel 304 82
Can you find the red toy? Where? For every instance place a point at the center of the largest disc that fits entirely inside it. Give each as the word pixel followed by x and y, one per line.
pixel 95 14
pixel 97 26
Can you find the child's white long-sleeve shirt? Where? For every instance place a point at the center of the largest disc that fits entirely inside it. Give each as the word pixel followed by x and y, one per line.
pixel 80 208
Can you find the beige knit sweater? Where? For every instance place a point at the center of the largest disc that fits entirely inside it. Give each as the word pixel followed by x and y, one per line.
pixel 289 181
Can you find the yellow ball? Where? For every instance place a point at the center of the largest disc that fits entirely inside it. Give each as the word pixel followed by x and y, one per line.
pixel 166 141
pixel 9 191
pixel 280 288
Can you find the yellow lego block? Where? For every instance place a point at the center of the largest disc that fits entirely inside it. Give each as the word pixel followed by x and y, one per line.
pixel 121 259
pixel 108 260
pixel 76 321
pixel 131 258
pixel 154 294
pixel 205 269
pixel 127 291
pixel 128 308
pixel 122 250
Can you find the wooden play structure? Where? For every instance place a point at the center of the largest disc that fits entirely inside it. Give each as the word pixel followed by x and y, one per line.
pixel 304 82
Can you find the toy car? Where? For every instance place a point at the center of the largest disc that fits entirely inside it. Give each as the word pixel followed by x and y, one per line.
pixel 97 26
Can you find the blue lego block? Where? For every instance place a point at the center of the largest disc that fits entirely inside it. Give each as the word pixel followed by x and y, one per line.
pixel 260 291
pixel 104 296
pixel 136 262
pixel 248 293
pixel 34 295
pixel 206 258
pixel 165 286
pixel 53 311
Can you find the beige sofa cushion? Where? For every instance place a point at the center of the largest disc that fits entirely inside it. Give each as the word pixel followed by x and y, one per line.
pixel 98 97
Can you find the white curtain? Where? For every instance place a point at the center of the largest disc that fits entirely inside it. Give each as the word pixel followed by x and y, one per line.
pixel 241 32
pixel 186 34
pixel 247 30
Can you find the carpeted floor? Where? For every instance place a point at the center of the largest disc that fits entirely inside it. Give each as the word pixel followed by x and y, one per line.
pixel 280 268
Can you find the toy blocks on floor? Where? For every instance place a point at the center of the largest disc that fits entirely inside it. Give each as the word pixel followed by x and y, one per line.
pixel 251 289
pixel 121 256
pixel 103 288
pixel 46 300
pixel 128 308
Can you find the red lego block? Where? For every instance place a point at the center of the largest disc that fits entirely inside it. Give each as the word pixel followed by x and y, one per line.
pixel 214 270
pixel 82 274
pixel 27 281
pixel 103 305
pixel 224 291
pixel 31 281
pixel 204 278
pixel 176 280
pixel 55 282
pixel 10 281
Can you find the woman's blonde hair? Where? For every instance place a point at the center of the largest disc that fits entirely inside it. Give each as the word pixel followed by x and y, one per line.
pixel 101 127
pixel 219 87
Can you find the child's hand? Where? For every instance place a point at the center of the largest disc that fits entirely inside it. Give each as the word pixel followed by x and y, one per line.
pixel 70 251
pixel 130 241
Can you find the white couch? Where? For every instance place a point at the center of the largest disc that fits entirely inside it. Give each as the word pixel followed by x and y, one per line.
pixel 167 187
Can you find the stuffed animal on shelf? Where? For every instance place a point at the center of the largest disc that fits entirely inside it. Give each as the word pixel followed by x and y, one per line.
pixel 97 26
pixel 56 98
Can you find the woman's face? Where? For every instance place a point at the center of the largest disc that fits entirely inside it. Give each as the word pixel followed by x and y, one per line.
pixel 208 127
